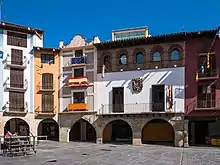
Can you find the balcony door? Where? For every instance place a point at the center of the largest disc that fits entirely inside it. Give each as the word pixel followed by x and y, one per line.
pixel 158 97
pixel 16 56
pixel 118 99
pixel 47 103
pixel 16 78
pixel 47 81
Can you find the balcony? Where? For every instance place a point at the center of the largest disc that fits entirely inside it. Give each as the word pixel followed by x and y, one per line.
pixel 77 107
pixel 14 64
pixel 16 87
pixel 208 75
pixel 136 108
pixel 14 109
pixel 78 82
pixel 45 87
pixel 45 111
pixel 78 61
pixel 207 105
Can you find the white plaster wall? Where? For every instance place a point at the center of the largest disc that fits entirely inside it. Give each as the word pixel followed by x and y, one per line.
pixel 168 76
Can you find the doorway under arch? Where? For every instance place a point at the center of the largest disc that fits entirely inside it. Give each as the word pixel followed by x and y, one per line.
pixel 158 131
pixel 17 125
pixel 117 131
pixel 82 131
pixel 49 128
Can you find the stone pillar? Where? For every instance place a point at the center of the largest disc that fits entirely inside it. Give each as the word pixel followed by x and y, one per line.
pixel 185 141
pixel 137 138
pixel 64 134
pixel 99 138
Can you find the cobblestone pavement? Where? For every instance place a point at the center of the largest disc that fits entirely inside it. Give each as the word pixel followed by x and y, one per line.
pixel 55 153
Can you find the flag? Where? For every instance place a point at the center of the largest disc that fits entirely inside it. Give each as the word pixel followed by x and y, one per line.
pixel 208 60
pixel 103 71
pixel 37 34
pixel 197 77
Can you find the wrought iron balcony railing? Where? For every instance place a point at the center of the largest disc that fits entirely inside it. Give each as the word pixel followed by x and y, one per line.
pixel 208 75
pixel 207 104
pixel 21 87
pixel 14 64
pixel 45 110
pixel 135 108
pixel 45 87
pixel 15 108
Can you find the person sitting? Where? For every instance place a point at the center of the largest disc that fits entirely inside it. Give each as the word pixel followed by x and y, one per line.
pixel 8 134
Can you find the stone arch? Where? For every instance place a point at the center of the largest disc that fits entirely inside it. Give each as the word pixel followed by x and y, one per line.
pixel 117 130
pixel 158 131
pixel 175 47
pixel 82 130
pixel 106 59
pixel 17 125
pixel 136 51
pixel 118 56
pixel 50 128
pixel 157 48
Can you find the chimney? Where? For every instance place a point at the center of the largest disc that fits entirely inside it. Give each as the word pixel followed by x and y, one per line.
pixel 61 44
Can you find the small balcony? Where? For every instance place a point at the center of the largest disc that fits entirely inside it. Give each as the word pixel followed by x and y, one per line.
pixel 14 64
pixel 208 75
pixel 77 107
pixel 45 111
pixel 45 87
pixel 14 109
pixel 78 61
pixel 207 105
pixel 136 108
pixel 78 82
pixel 16 87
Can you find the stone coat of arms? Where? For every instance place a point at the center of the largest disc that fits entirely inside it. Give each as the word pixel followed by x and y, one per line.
pixel 137 85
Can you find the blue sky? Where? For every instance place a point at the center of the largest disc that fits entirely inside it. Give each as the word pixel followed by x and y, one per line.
pixel 62 19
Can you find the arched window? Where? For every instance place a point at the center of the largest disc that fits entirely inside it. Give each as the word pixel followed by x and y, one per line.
pixel 139 58
pixel 123 59
pixel 174 55
pixel 107 62
pixel 156 56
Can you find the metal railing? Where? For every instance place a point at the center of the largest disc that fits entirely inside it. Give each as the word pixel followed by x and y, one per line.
pixel 15 63
pixel 134 108
pixel 8 85
pixel 205 104
pixel 45 110
pixel 208 74
pixel 45 86
pixel 9 107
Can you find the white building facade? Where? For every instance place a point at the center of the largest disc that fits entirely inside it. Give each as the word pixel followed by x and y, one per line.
pixel 17 75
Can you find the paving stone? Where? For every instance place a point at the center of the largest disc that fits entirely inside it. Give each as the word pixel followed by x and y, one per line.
pixel 57 153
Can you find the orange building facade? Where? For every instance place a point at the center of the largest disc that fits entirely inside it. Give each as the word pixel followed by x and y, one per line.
pixel 46 89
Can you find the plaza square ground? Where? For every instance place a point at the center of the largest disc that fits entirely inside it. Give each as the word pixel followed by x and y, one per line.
pixel 73 153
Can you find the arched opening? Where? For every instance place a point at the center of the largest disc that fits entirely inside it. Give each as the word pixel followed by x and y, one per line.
pixel 158 131
pixel 49 128
pixel 117 131
pixel 82 130
pixel 18 126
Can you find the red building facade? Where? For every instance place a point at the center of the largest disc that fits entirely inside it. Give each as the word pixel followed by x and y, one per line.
pixel 202 86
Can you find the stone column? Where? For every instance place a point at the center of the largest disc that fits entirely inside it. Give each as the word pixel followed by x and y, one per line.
pixel 64 134
pixel 185 141
pixel 137 138
pixel 99 137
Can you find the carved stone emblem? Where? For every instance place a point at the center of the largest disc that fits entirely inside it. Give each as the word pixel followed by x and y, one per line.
pixel 137 84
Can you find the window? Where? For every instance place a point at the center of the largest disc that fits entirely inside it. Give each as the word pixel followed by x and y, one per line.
pixel 78 97
pixel 174 55
pixel 123 59
pixel 16 78
pixel 47 58
pixel 47 81
pixel 16 57
pixel 139 58
pixel 16 100
pixel 78 53
pixel 79 72
pixel 17 39
pixel 47 102
pixel 156 56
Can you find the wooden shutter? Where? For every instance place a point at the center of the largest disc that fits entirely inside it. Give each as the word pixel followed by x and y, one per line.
pixel 16 56
pixel 16 78
pixel 47 81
